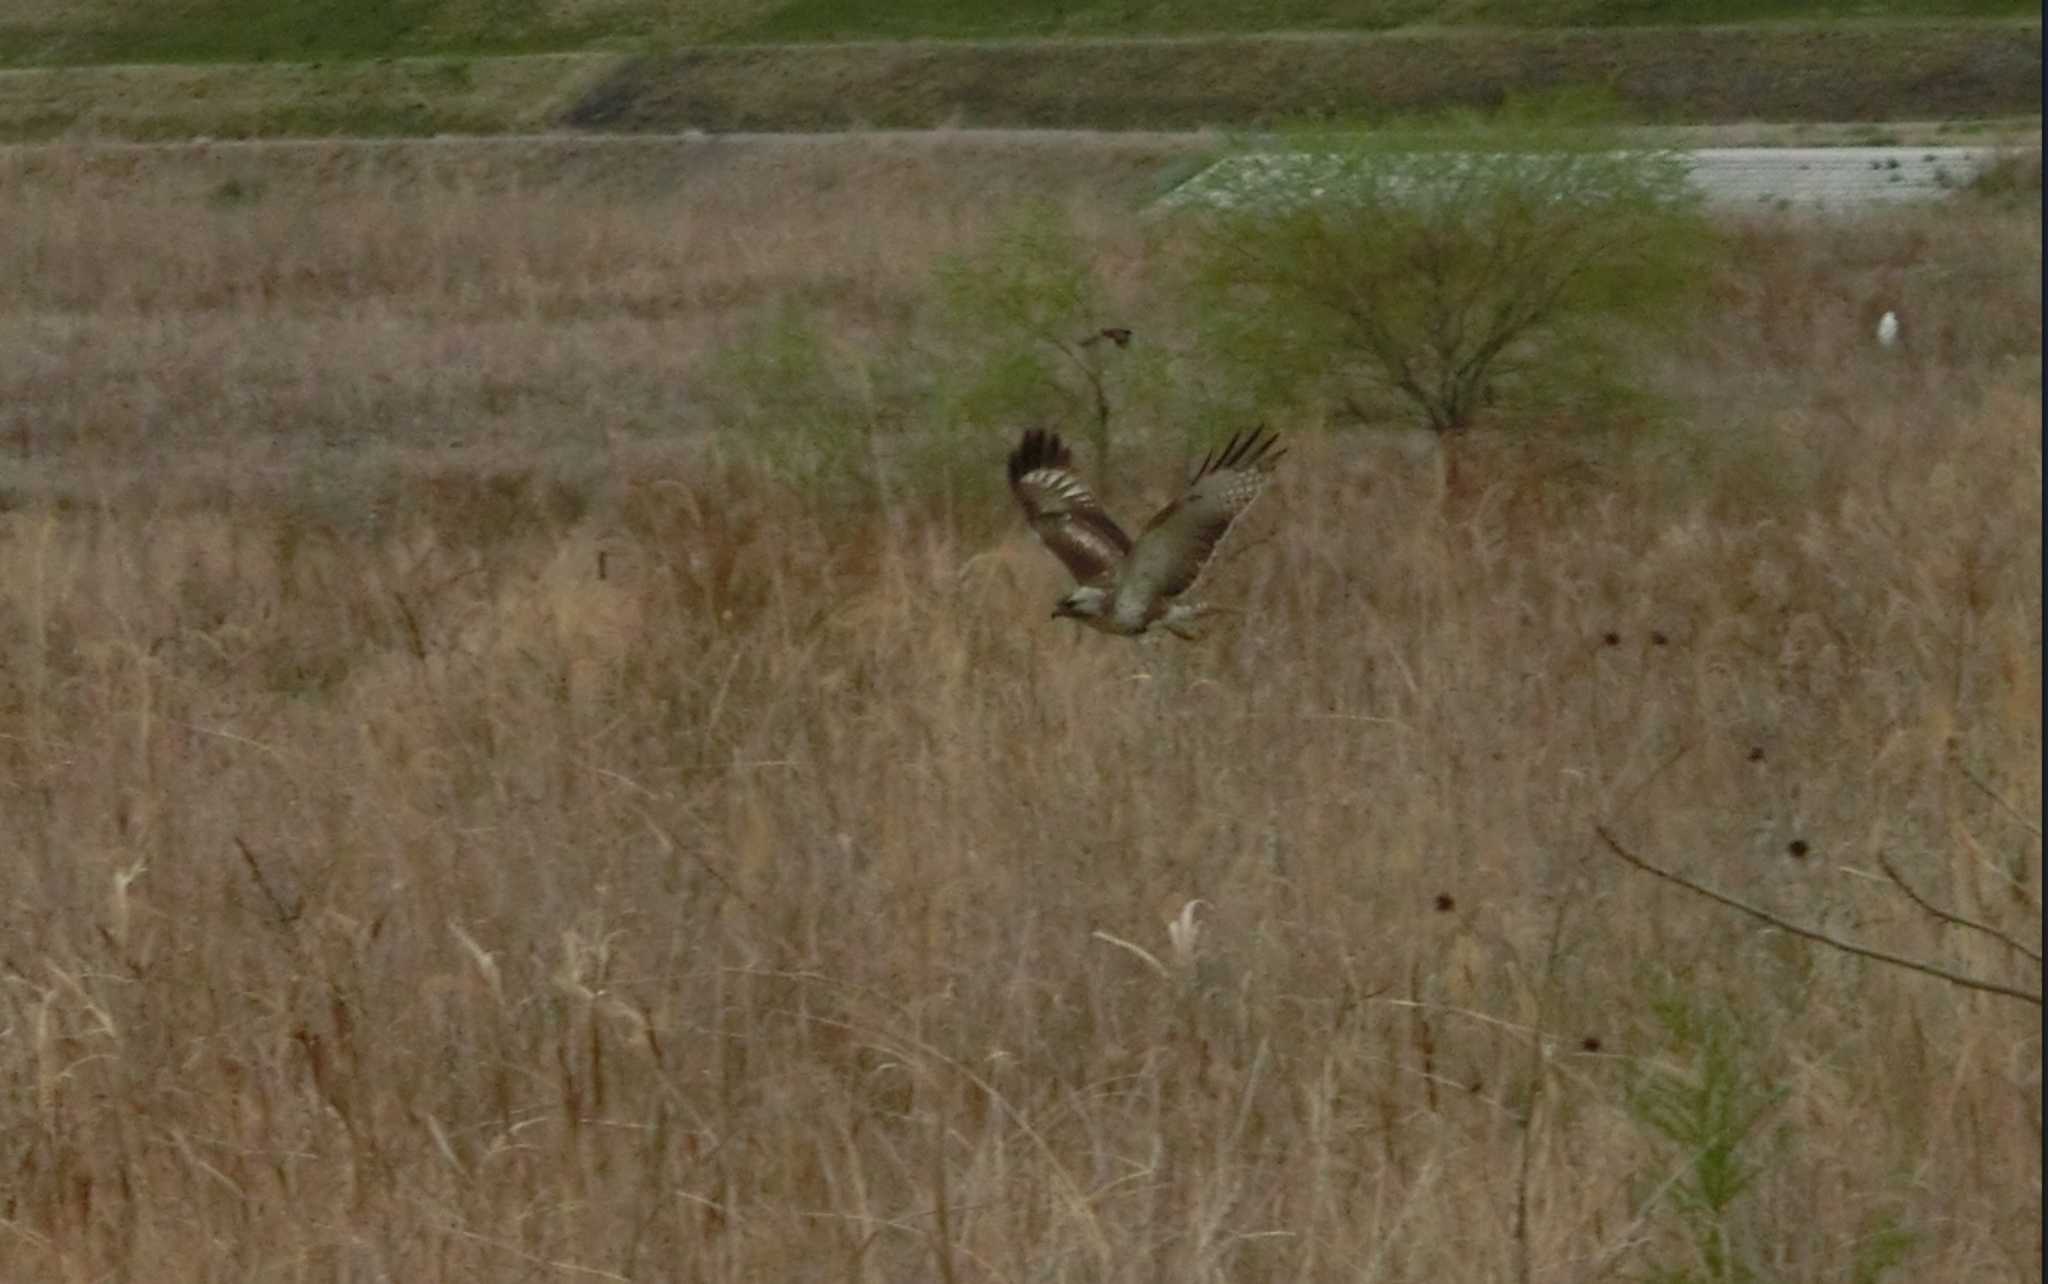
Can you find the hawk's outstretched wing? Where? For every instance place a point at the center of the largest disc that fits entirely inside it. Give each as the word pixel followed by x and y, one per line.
pixel 1176 544
pixel 1064 511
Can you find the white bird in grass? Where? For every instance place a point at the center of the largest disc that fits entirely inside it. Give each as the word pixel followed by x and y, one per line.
pixel 1888 330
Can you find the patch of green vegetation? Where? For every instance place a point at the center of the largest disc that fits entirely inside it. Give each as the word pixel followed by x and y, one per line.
pixel 995 19
pixel 157 31
pixel 395 97
pixel 328 67
pixel 1884 1247
pixel 914 19
pixel 207 31
pixel 1040 337
pixel 1449 274
pixel 822 414
pixel 1705 1102
pixel 231 192
pixel 2013 179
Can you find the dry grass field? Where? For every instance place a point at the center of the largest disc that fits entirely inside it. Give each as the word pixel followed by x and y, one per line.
pixel 495 786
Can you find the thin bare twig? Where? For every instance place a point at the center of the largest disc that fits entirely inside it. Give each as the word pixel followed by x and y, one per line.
pixel 1948 916
pixel 2015 813
pixel 286 915
pixel 1524 1257
pixel 1651 779
pixel 1847 947
pixel 942 1228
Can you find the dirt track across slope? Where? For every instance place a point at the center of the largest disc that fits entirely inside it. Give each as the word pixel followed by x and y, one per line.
pixel 1138 166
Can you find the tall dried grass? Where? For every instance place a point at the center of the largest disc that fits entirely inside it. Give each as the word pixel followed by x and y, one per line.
pixel 466 817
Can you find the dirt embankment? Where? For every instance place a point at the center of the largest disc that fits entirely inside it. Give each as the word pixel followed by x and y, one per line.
pixel 1840 72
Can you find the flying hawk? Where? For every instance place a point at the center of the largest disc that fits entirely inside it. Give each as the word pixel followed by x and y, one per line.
pixel 1124 587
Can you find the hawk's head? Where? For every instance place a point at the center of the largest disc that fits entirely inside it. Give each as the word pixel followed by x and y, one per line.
pixel 1085 603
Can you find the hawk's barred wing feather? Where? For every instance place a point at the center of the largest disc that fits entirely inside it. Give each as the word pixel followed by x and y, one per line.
pixel 1063 511
pixel 1178 542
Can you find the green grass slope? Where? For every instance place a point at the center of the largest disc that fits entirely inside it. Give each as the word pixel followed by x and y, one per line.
pixel 395 97
pixel 51 33
pixel 46 32
pixel 298 68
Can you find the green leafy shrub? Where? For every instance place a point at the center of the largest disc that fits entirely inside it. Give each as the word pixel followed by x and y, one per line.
pixel 1441 274
pixel 1037 340
pixel 1706 1106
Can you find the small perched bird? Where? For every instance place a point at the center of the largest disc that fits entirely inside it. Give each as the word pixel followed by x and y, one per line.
pixel 1116 334
pixel 1888 330
pixel 1125 587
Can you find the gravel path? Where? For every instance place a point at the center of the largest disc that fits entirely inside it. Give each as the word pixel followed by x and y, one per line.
pixel 1833 176
pixel 1729 177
